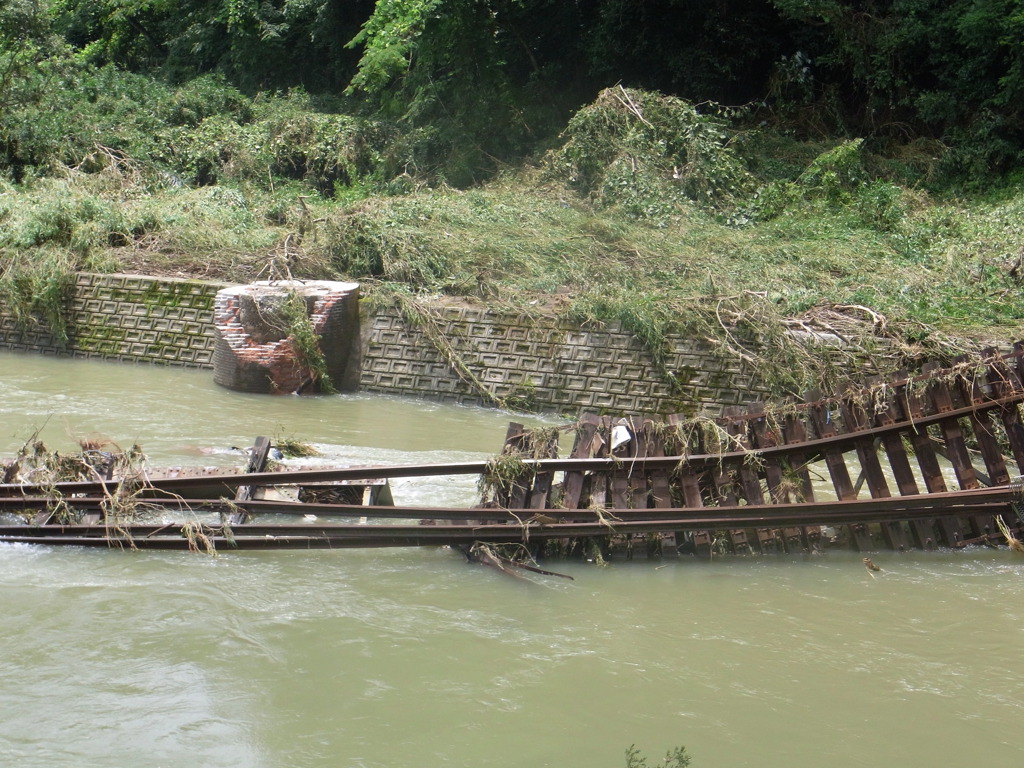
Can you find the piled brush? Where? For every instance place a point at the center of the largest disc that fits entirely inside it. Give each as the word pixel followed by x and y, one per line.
pixel 35 464
pixel 38 466
pixel 291 448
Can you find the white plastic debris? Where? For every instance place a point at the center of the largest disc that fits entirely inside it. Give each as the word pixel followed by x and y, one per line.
pixel 620 436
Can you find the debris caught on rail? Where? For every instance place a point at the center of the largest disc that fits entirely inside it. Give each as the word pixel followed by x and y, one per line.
pixel 921 461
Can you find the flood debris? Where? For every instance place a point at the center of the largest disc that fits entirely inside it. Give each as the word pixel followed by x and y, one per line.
pixel 290 448
pixel 912 462
pixel 36 466
pixel 1012 541
pixel 199 540
pixel 516 557
pixel 870 567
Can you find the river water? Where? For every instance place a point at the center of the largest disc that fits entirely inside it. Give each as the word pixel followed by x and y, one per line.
pixel 413 658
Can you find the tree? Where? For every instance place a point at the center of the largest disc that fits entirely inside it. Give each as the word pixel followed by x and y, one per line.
pixel 953 70
pixel 256 44
pixel 24 40
pixel 485 79
pixel 718 50
pixel 479 80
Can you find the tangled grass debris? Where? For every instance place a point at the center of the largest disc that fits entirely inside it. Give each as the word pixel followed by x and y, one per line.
pixel 1012 541
pixel 292 448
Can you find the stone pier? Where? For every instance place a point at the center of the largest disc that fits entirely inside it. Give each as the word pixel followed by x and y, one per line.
pixel 261 344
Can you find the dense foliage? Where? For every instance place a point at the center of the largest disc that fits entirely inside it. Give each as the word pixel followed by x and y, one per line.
pixel 481 82
pixel 773 169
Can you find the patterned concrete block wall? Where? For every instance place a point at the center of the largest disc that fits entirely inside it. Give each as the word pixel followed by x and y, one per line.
pixel 545 364
pixel 128 317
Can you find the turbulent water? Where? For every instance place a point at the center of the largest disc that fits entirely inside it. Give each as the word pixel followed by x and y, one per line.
pixel 412 658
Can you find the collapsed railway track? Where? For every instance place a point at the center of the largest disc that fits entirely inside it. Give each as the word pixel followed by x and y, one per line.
pixel 911 461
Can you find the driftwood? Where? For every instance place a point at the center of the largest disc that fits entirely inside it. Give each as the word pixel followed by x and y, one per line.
pixel 486 555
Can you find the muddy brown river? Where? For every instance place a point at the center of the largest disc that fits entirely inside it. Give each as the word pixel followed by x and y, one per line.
pixel 412 658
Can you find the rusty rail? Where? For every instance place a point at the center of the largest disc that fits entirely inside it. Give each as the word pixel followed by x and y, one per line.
pixel 742 483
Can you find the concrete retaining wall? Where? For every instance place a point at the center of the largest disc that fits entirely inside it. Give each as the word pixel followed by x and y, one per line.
pixel 127 317
pixel 546 365
pixel 543 364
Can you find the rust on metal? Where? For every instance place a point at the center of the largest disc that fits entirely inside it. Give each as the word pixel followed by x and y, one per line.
pixel 906 462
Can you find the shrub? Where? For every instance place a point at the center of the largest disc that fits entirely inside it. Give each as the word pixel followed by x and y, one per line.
pixel 835 182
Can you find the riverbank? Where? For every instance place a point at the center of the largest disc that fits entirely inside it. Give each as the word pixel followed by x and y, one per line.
pixel 808 264
pixel 453 351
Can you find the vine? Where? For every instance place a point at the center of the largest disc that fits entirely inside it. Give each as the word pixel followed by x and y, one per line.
pixel 421 318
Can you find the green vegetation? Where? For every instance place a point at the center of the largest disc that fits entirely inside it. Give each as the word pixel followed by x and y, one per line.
pixel 674 758
pixel 294 315
pixel 867 190
pixel 34 289
pixel 292 448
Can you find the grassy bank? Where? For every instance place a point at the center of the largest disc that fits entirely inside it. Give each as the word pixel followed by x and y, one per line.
pixel 648 211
